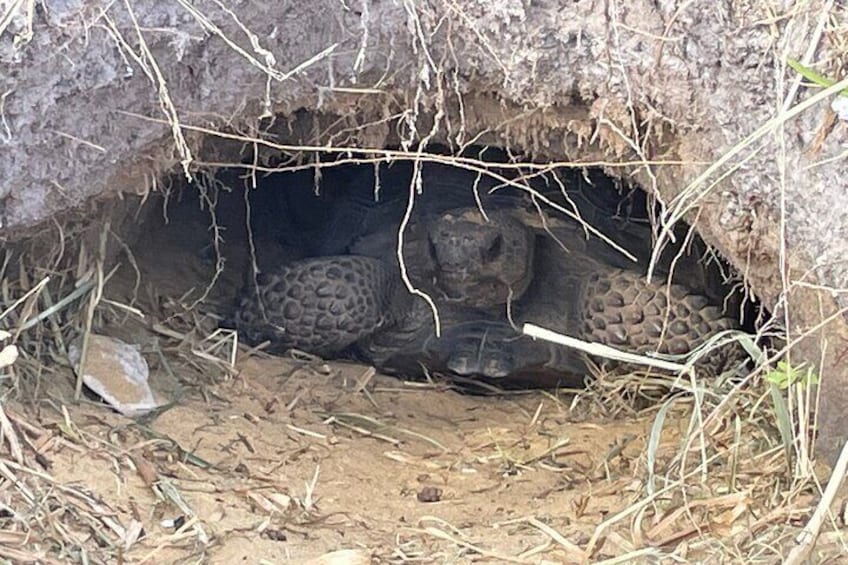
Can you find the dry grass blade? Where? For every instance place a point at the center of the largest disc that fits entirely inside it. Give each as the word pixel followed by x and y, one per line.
pixel 654 441
pixel 805 541
pixel 11 9
pixel 78 293
pixel 34 291
pixel 445 536
pixel 602 350
pixel 572 549
pixel 8 433
pixel 345 420
pixel 172 493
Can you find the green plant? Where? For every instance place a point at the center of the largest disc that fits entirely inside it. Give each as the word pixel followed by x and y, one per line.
pixel 813 76
pixel 786 375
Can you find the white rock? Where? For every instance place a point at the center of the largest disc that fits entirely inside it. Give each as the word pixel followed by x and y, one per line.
pixel 8 355
pixel 118 373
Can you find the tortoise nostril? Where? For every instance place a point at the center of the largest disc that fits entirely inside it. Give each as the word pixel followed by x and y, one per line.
pixel 494 250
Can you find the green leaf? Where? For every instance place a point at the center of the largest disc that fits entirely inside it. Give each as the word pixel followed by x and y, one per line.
pixel 785 375
pixel 813 76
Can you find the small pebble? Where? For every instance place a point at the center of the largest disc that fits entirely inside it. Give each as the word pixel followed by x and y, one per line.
pixel 275 535
pixel 430 494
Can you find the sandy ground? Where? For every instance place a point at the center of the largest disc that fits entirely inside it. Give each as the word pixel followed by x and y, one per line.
pixel 289 461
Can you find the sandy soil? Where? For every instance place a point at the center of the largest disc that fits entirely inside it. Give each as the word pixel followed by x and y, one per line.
pixel 289 461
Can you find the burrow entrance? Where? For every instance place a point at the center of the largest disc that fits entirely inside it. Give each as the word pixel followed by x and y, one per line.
pixel 201 248
pixel 389 462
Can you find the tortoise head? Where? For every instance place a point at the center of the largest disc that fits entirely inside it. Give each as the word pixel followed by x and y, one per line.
pixel 481 263
pixel 488 348
pixel 478 348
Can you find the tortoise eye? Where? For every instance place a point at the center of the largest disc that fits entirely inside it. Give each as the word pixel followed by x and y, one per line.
pixel 494 250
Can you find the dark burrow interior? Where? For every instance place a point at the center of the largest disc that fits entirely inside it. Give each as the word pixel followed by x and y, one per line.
pixel 203 247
